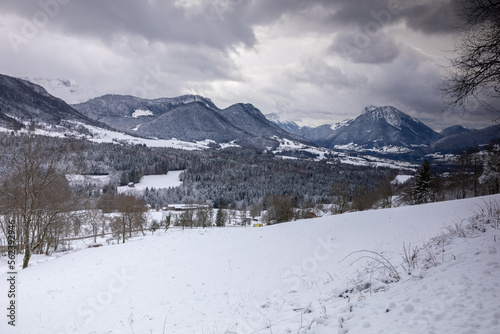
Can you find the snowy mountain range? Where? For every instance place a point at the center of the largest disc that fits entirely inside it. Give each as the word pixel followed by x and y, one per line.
pixel 188 117
pixel 377 129
pixel 387 130
pixel 195 119
pixel 169 121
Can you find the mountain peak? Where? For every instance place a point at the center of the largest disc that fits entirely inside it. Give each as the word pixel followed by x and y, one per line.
pixel 369 109
pixel 287 125
pixel 389 114
pixel 382 110
pixel 382 128
pixel 455 129
pixel 189 98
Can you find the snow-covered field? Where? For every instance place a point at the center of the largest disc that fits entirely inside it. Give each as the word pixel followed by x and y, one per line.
pixel 290 278
pixel 401 179
pixel 169 180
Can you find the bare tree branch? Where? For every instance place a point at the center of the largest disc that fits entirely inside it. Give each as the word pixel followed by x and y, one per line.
pixel 475 72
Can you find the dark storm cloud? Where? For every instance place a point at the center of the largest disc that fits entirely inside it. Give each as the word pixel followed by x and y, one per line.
pixel 364 25
pixel 429 16
pixel 154 20
pixel 432 17
pixel 225 23
pixel 370 50
pixel 409 82
pixel 215 23
pixel 317 72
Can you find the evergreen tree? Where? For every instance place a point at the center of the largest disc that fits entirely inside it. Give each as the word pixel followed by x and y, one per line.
pixel 167 222
pixel 422 191
pixel 123 179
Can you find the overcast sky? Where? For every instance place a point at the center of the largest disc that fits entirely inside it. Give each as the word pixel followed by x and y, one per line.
pixel 311 61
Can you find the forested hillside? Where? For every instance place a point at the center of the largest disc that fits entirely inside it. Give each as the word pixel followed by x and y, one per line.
pixel 217 178
pixel 244 178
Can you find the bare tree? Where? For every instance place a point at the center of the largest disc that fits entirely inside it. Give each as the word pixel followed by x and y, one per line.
pixel 385 192
pixel 116 225
pixel 203 216
pixel 231 216
pixel 279 209
pixel 94 219
pixel 221 217
pixel 475 71
pixel 340 197
pixel 187 218
pixel 106 203
pixel 464 178
pixel 255 210
pixel 491 171
pixel 36 195
pixel 133 211
pixel 243 216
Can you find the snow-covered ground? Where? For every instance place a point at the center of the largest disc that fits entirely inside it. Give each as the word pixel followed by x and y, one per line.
pixel 401 179
pixel 287 145
pixel 299 277
pixel 169 180
pixel 100 180
pixel 100 135
pixel 141 113
pixel 384 149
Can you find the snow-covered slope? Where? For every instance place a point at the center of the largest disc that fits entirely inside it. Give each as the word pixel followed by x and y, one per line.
pixel 289 149
pixel 290 278
pixel 459 295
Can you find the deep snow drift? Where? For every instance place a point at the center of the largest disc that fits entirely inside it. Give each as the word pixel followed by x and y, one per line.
pixel 287 278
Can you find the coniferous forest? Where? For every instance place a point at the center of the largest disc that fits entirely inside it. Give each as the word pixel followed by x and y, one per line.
pixel 241 178
pixel 213 177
